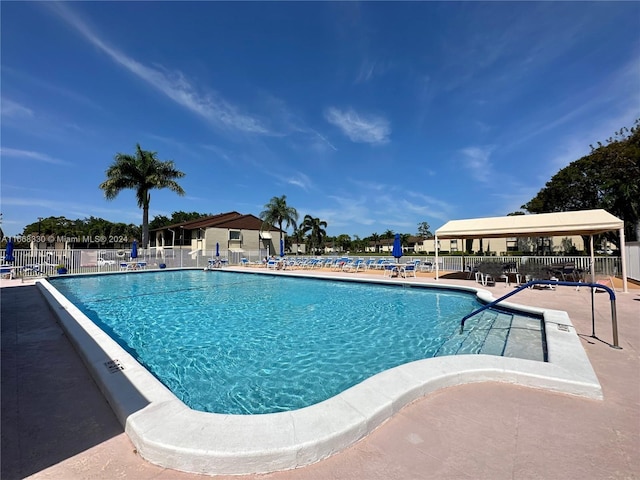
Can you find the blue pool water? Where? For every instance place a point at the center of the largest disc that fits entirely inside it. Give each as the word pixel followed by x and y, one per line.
pixel 247 344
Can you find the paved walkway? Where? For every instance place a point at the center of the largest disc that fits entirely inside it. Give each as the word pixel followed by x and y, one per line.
pixel 57 425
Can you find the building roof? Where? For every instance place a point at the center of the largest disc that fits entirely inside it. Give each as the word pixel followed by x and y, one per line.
pixel 233 220
pixel 583 222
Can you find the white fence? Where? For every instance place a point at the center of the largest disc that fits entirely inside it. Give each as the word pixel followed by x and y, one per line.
pixel 632 249
pixel 43 262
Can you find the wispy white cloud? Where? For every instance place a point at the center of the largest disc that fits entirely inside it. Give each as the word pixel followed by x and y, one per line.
pixel 220 153
pixel 291 123
pixel 358 127
pixel 173 84
pixel 38 124
pixel 324 142
pixel 369 185
pixel 429 206
pixel 41 83
pixel 369 69
pixel 14 109
pixel 299 180
pixel 41 157
pixel 477 160
pixel 72 209
pixel 366 71
pixel 346 212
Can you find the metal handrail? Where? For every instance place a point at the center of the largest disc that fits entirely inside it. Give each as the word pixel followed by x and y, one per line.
pixel 612 298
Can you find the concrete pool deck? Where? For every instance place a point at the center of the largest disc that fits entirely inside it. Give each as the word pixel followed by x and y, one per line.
pixel 484 430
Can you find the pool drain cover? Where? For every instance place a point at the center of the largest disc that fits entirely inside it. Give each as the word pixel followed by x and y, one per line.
pixel 114 366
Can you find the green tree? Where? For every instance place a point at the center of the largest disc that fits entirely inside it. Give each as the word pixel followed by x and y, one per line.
pixel 344 242
pixel 316 230
pixel 141 172
pixel 277 212
pixel 388 234
pixel 404 239
pixel 608 178
pixel 359 244
pixel 424 230
pixel 375 238
pixel 298 236
pixel 159 221
pixel 180 217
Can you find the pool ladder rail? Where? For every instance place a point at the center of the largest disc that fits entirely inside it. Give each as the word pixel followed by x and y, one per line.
pixel 593 286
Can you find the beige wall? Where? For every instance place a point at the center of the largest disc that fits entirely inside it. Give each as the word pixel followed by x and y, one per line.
pixel 206 240
pixel 494 245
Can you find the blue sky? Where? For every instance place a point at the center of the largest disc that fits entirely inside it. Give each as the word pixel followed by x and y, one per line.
pixel 372 116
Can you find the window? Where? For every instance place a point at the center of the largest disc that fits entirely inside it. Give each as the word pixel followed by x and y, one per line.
pixel 235 235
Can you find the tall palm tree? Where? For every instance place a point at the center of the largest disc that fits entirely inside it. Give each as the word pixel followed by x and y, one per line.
pixel 316 229
pixel 141 172
pixel 277 212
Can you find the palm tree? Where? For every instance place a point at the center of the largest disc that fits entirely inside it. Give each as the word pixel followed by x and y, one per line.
pixel 316 229
pixel 141 172
pixel 404 239
pixel 375 238
pixel 278 212
pixel 298 236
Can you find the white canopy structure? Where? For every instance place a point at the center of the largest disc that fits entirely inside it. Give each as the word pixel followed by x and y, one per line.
pixel 582 222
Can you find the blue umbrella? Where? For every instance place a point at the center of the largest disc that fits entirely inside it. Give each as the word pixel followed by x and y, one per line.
pixel 397 248
pixel 134 249
pixel 217 249
pixel 8 256
pixel 281 247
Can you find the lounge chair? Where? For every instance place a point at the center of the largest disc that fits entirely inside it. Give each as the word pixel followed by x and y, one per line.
pixel 245 262
pixel 408 270
pixel 7 271
pixel 427 267
pixel 353 265
pixel 391 270
pixel 340 263
pixel 368 264
pixel 379 264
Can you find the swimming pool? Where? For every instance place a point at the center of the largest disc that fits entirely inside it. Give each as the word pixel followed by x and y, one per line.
pixel 238 343
pixel 166 432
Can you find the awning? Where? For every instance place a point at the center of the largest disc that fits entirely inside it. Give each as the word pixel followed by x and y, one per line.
pixel 582 222
pixel 238 250
pixel 265 235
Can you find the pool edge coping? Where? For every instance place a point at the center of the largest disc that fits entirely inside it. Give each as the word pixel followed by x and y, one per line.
pixel 168 433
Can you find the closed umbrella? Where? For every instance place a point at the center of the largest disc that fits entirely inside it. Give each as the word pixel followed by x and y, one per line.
pixel 397 248
pixel 134 249
pixel 8 256
pixel 217 249
pixel 281 247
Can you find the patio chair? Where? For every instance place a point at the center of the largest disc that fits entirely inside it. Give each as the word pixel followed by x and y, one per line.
pixel 427 267
pixel 408 270
pixel 390 270
pixel 353 266
pixel 6 271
